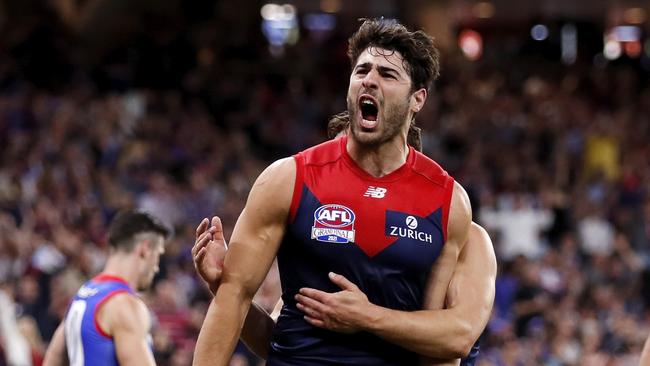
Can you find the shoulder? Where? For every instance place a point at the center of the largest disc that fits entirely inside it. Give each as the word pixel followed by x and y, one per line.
pixel 460 199
pixel 127 301
pixel 461 208
pixel 480 245
pixel 270 196
pixel 478 234
pixel 125 310
pixel 277 174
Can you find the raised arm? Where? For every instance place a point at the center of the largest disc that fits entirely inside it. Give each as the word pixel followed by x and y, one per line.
pixel 208 253
pixel 253 246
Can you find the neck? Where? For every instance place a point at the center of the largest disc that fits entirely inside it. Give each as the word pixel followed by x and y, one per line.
pixel 124 266
pixel 379 160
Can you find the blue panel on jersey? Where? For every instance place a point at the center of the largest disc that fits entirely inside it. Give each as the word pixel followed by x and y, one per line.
pixel 419 239
pixel 96 348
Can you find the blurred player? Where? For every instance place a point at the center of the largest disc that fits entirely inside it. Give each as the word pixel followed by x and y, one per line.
pixel 107 323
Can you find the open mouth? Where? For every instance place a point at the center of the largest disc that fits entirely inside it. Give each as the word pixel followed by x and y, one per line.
pixel 369 111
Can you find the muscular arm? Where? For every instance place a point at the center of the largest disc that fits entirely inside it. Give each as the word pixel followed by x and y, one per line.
pixel 56 354
pixel 126 319
pixel 469 299
pixel 416 330
pixel 253 245
pixel 453 330
pixel 258 327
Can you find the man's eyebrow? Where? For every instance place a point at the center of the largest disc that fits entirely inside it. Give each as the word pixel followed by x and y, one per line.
pixel 388 69
pixel 365 65
pixel 383 69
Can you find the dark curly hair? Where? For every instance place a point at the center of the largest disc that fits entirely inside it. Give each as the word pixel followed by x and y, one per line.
pixel 421 57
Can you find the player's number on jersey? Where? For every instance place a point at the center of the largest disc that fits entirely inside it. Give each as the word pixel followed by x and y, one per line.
pixel 73 332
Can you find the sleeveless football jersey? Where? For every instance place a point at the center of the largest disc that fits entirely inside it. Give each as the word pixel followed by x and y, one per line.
pixel 383 234
pixel 87 344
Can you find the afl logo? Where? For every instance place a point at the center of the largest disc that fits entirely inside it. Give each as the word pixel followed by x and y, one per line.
pixel 334 216
pixel 333 224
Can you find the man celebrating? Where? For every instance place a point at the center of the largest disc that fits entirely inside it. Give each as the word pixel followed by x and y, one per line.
pixel 107 323
pixel 364 206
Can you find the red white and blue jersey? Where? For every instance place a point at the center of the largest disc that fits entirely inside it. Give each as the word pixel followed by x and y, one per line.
pixel 87 344
pixel 383 234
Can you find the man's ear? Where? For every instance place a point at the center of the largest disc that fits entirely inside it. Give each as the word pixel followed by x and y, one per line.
pixel 417 100
pixel 142 248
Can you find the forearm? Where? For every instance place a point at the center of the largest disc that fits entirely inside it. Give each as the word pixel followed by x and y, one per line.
pixel 257 331
pixel 432 332
pixel 258 327
pixel 444 333
pixel 222 325
pixel 441 334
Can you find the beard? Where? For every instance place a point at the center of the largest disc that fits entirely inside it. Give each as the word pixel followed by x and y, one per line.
pixel 390 125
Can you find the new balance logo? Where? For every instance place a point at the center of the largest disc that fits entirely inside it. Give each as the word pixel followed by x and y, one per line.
pixel 375 192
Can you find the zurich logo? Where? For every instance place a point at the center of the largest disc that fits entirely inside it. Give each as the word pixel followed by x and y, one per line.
pixel 411 222
pixel 409 227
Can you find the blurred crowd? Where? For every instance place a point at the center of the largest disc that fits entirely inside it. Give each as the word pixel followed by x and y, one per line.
pixel 556 161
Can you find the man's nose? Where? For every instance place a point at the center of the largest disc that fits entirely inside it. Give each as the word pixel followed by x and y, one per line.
pixel 370 80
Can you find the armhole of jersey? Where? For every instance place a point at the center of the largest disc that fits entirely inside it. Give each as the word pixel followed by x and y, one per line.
pixel 98 307
pixel 449 191
pixel 297 187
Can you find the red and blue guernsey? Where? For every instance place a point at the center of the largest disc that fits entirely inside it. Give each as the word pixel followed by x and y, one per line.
pixel 87 344
pixel 383 234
